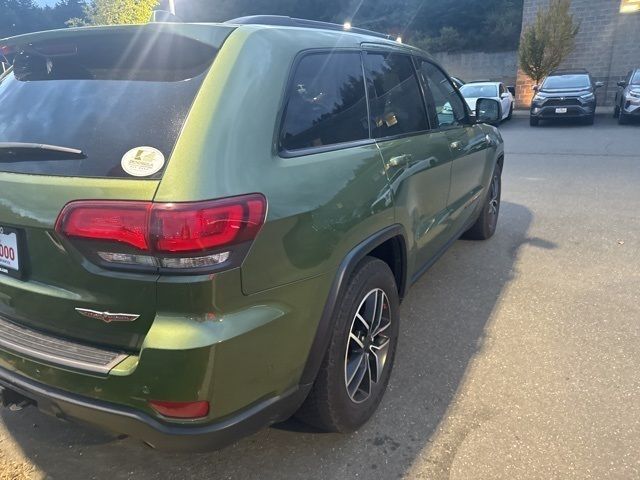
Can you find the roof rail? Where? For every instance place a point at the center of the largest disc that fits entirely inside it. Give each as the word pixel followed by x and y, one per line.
pixel 283 21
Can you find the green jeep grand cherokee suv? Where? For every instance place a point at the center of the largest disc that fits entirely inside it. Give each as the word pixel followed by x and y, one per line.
pixel 206 228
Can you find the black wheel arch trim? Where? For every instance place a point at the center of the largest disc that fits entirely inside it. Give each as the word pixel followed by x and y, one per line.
pixel 345 269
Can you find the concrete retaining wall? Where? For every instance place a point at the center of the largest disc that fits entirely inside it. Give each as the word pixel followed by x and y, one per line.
pixel 497 66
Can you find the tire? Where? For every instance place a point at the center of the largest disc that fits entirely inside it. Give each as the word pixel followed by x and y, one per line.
pixel 533 121
pixel 622 118
pixel 485 225
pixel 510 112
pixel 337 401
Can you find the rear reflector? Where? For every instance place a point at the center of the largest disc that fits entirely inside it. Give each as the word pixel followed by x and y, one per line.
pixel 168 235
pixel 184 410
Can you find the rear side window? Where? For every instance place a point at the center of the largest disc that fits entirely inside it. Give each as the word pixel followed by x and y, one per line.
pixel 103 95
pixel 326 102
pixel 394 94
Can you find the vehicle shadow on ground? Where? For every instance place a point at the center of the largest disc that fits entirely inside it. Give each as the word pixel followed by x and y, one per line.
pixel 444 318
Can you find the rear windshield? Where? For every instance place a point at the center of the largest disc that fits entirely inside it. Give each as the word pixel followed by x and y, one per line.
pixel 567 81
pixel 103 95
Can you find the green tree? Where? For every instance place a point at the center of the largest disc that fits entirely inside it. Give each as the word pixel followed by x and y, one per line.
pixel 115 12
pixel 548 41
pixel 501 27
pixel 20 16
pixel 449 40
pixel 62 11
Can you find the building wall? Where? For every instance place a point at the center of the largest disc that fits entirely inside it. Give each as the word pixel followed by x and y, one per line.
pixel 608 44
pixel 468 66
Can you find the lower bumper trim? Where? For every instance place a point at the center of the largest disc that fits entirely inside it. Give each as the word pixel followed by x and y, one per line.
pixel 163 436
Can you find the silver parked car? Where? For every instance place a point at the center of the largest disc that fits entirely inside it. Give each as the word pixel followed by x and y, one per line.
pixel 628 98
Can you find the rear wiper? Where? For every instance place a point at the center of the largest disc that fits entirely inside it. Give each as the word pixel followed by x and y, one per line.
pixel 17 151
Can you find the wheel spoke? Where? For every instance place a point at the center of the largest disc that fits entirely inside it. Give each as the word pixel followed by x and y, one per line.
pixel 353 366
pixel 380 358
pixel 358 378
pixel 353 337
pixel 365 386
pixel 370 309
pixel 363 321
pixel 494 195
pixel 380 297
pixel 382 327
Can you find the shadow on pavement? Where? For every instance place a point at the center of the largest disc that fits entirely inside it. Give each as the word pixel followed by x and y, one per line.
pixel 443 323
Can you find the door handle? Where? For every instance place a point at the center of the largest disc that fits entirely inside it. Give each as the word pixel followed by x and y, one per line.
pixel 400 160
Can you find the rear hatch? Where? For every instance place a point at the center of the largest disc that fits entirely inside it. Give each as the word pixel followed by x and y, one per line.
pixel 88 114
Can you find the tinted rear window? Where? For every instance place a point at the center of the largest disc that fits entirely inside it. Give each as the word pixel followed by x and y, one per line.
pixel 567 81
pixel 103 94
pixel 327 102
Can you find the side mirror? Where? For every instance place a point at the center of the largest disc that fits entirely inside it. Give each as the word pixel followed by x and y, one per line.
pixel 488 111
pixel 622 83
pixel 512 90
pixel 505 95
pixel 599 84
pixel 536 88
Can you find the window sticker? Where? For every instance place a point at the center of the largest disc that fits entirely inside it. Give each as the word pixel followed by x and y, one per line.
pixel 142 161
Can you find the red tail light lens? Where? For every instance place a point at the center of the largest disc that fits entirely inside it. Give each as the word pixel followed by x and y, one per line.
pixel 192 227
pixel 122 222
pixel 184 410
pixel 171 235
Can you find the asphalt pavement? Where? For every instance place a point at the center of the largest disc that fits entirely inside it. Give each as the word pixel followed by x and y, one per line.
pixel 518 357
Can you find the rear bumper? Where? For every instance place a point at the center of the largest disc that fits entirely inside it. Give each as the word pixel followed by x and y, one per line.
pixel 247 362
pixel 171 437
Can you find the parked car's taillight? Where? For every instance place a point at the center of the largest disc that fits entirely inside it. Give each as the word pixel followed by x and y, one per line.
pixel 181 236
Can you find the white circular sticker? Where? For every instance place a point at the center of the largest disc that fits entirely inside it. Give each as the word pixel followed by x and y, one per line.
pixel 142 161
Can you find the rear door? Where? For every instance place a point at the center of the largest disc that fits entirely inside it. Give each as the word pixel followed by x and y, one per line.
pixel 417 160
pixel 86 117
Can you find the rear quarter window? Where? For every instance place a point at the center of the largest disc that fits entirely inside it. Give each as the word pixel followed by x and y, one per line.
pixel 326 102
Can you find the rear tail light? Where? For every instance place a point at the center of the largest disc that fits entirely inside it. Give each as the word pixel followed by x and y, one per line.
pixel 175 236
pixel 183 410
